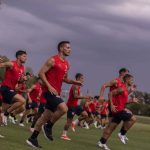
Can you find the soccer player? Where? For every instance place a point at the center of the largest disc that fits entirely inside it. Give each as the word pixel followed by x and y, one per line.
pixel 104 114
pixel 118 100
pixel 73 107
pixel 41 109
pixel 14 70
pixel 34 94
pixel 113 85
pixel 53 73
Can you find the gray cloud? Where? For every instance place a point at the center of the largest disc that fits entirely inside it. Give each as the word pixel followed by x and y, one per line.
pixel 105 35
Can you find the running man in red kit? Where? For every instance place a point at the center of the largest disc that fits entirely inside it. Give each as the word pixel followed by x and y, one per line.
pixel 118 100
pixel 114 84
pixel 14 70
pixel 34 95
pixel 53 73
pixel 73 107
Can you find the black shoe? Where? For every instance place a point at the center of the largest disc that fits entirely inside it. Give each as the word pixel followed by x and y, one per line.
pixel 33 143
pixel 47 133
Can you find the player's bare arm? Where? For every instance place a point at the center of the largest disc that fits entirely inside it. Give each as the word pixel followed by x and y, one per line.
pixel 47 66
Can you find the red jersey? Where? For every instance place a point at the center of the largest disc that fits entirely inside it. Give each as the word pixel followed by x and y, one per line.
pixel 56 74
pixel 73 102
pixel 21 86
pixel 120 100
pixel 36 92
pixel 92 106
pixel 12 75
pixel 42 99
pixel 104 111
pixel 0 95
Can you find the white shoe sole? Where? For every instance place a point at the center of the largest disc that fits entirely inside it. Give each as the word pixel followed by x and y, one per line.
pixel 30 144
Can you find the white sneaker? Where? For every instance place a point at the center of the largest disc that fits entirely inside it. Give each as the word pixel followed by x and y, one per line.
pixel 122 138
pixel 103 146
pixel 4 120
pixel 86 126
pixel 126 138
pixel 1 136
pixel 12 120
pixel 21 124
pixel 95 124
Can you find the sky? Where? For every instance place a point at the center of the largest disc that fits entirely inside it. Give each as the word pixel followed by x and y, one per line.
pixel 105 36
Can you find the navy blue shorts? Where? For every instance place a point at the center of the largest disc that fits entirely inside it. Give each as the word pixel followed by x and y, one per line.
pixel 52 101
pixel 41 108
pixel 74 111
pixel 32 105
pixel 7 94
pixel 121 116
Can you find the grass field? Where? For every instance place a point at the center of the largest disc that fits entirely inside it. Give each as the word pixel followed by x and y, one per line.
pixel 15 137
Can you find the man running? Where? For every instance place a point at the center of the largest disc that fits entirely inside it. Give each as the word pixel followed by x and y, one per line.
pixel 53 73
pixel 118 100
pixel 14 70
pixel 33 94
pixel 73 107
pixel 114 85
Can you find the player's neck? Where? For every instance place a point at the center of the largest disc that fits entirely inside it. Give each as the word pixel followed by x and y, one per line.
pixel 61 56
pixel 18 62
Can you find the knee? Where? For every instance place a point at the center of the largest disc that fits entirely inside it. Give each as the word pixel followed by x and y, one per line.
pixel 64 109
pixel 133 119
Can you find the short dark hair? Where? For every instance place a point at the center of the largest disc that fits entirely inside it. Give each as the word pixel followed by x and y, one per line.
pixel 61 44
pixel 127 76
pixel 122 70
pixel 78 75
pixel 28 73
pixel 96 97
pixel 20 52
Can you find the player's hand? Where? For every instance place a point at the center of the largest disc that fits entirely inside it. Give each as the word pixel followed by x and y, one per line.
pixel 79 83
pixel 52 91
pixel 113 108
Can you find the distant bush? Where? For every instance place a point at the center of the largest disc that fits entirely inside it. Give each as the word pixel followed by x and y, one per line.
pixel 140 109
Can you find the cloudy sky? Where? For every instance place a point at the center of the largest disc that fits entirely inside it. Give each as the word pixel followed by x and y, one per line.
pixel 105 36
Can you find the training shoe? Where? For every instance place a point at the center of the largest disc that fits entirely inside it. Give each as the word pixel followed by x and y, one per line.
pixel 122 138
pixel 12 119
pixel 103 146
pixel 65 137
pixel 33 143
pixel 47 133
pixel 4 120
pixel 73 126
pixel 95 124
pixel 126 138
pixel 1 136
pixel 21 124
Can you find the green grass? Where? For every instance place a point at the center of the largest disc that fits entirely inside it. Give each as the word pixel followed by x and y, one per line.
pixel 15 137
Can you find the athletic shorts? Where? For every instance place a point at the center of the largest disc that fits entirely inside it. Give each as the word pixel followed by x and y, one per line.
pixel 52 101
pixel 95 113
pixel 110 112
pixel 103 116
pixel 121 116
pixel 7 94
pixel 32 105
pixel 41 108
pixel 74 111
